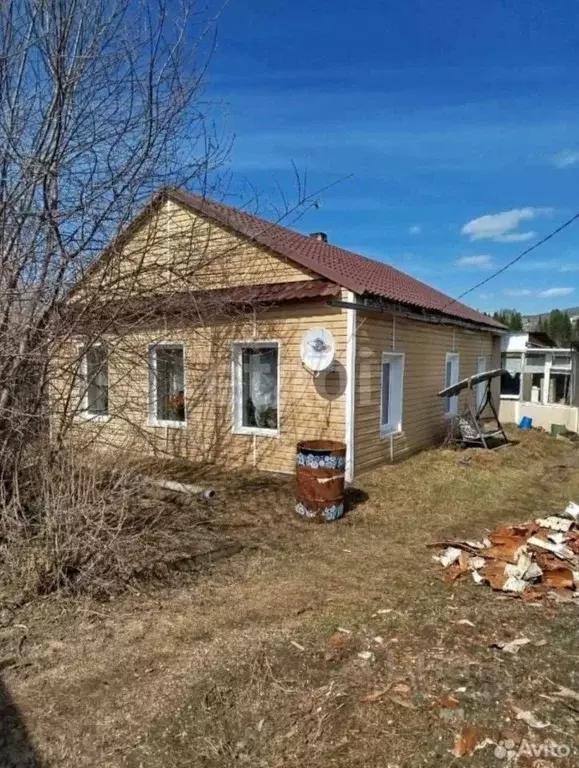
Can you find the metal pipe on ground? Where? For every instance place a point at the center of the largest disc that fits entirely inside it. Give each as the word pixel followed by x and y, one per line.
pixel 186 488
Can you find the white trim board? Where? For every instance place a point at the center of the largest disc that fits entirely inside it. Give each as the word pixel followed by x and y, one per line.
pixel 351 319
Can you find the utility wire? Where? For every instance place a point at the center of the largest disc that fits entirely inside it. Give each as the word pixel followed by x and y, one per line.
pixel 504 268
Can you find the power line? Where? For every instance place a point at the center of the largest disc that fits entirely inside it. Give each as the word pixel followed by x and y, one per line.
pixel 515 260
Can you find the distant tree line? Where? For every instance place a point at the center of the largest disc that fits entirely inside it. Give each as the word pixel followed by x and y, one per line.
pixel 557 324
pixel 511 318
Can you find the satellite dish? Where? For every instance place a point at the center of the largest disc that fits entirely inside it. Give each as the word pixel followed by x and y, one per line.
pixel 318 349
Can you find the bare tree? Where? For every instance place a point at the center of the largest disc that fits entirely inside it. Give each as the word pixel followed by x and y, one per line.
pixel 101 101
pixel 101 104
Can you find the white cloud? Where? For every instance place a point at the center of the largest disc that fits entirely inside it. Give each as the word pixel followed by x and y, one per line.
pixel 569 268
pixel 551 292
pixel 485 296
pixel 516 237
pixel 484 261
pixel 566 159
pixel 502 226
pixel 518 292
pixel 415 229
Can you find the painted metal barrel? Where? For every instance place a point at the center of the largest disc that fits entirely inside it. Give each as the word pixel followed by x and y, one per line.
pixel 320 469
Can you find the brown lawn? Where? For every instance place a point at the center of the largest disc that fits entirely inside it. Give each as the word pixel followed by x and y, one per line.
pixel 240 661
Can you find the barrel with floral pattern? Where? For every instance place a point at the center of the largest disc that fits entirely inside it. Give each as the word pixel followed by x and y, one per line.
pixel 320 469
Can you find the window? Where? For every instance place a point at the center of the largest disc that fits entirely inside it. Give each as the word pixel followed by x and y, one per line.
pixel 511 380
pixel 562 362
pixel 167 385
pixel 256 386
pixel 511 385
pixel 392 393
pixel 451 377
pixel 560 388
pixel 96 382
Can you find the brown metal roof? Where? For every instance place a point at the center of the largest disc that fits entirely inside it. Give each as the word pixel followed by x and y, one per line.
pixel 198 305
pixel 350 270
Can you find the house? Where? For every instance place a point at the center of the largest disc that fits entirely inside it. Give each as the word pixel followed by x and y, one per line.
pixel 187 332
pixel 541 381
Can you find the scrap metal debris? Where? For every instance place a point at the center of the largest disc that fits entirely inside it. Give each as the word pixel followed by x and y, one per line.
pixel 555 523
pixel 530 560
pixel 529 718
pixel 449 556
pixel 466 743
pixel 511 647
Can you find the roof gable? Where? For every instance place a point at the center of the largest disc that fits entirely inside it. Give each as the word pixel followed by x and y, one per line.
pixel 171 247
pixel 352 271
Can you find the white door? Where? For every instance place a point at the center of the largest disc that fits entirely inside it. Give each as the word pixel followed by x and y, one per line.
pixel 481 367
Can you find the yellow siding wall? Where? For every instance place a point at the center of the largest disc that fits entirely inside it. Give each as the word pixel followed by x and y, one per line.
pixel 425 347
pixel 178 250
pixel 309 407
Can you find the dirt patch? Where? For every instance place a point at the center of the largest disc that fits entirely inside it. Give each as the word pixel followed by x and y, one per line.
pixel 248 662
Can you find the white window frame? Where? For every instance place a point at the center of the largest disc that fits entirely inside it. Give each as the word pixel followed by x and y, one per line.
pixel 393 426
pixel 84 413
pixel 237 387
pixel 153 421
pixel 503 365
pixel 481 386
pixel 451 403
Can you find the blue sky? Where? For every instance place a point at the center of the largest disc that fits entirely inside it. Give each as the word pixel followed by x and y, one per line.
pixel 418 123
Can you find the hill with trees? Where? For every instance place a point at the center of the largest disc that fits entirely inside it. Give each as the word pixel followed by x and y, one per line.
pixel 557 323
pixel 559 326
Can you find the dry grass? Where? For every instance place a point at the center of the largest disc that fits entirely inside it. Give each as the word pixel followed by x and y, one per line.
pixel 79 528
pixel 209 674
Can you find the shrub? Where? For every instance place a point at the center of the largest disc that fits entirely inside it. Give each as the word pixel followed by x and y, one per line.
pixel 68 525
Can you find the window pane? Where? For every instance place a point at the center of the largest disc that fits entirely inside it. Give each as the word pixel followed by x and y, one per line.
pixel 559 388
pixel 510 384
pixel 392 394
pixel 511 363
pixel 170 381
pixel 481 366
pixel 448 382
pixel 97 374
pixel 451 377
pixel 385 393
pixel 561 361
pixel 259 387
pixel 448 373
